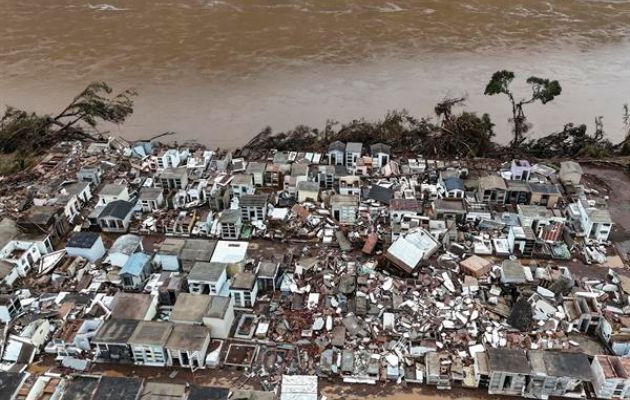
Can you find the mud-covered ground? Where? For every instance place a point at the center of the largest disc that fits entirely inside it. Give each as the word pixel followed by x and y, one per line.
pixel 617 181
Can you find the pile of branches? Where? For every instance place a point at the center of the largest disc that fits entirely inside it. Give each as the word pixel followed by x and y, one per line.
pixel 572 142
pixel 451 135
pixel 454 135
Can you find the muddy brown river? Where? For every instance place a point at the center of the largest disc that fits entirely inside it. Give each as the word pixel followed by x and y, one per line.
pixel 219 71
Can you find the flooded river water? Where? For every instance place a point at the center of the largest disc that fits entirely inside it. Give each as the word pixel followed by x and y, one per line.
pixel 219 71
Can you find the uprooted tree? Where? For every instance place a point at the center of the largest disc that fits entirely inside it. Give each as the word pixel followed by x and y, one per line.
pixel 28 133
pixel 543 90
pixel 461 135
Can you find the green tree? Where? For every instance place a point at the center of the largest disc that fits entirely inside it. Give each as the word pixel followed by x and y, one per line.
pixel 543 90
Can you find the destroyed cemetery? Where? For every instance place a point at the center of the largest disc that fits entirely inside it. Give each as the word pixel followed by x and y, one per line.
pixel 142 270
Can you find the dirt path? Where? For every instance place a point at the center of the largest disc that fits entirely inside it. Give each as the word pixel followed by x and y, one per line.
pixel 234 379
